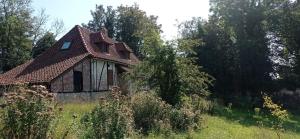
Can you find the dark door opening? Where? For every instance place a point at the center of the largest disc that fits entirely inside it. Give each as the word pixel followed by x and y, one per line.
pixel 78 81
pixel 110 77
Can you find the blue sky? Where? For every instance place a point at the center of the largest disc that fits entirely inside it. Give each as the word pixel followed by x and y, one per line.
pixel 170 12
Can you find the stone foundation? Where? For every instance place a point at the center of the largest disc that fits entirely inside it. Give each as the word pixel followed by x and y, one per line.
pixel 80 97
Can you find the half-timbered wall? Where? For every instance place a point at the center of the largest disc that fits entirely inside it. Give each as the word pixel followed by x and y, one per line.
pixel 94 73
pixel 99 70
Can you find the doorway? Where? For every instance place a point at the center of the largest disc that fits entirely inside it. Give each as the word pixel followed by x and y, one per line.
pixel 78 81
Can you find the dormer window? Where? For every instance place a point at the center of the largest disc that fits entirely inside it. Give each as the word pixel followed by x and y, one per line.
pixel 66 45
pixel 104 48
pixel 125 54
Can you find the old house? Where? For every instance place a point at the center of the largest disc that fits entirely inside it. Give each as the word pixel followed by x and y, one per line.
pixel 81 61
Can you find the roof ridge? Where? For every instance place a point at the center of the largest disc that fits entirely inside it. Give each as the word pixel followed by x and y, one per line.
pixel 83 39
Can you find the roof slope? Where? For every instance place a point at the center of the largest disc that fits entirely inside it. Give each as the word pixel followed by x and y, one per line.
pixel 55 61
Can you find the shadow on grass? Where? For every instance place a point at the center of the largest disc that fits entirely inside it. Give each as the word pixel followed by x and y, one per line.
pixel 247 117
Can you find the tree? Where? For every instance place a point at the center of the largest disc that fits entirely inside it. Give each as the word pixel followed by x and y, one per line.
pixel 170 71
pixel 43 43
pixel 15 27
pixel 132 22
pixel 38 25
pixel 103 18
pixel 57 27
pixel 126 23
pixel 235 48
pixel 245 19
pixel 215 53
pixel 284 24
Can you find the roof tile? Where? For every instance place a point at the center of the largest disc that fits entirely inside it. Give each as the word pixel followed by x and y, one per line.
pixel 55 61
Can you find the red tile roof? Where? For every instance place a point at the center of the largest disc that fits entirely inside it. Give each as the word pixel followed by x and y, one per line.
pixel 55 61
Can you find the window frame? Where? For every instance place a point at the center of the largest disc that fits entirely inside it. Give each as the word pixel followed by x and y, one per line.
pixel 68 46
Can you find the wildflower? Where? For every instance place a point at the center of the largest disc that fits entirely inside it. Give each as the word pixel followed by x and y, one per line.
pixel 39 113
pixel 22 98
pixel 43 87
pixel 74 116
pixel 31 92
pixel 18 113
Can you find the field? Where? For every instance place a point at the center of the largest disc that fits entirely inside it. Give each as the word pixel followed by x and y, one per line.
pixel 234 125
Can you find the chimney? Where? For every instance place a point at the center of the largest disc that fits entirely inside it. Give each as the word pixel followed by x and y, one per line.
pixel 104 31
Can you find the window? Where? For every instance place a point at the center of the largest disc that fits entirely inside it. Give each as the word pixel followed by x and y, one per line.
pixel 66 45
pixel 104 48
pixel 125 54
pixel 78 81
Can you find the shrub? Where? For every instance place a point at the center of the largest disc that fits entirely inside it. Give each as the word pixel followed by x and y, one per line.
pixel 110 119
pixel 182 119
pixel 188 114
pixel 150 113
pixel 196 103
pixel 277 112
pixel 28 112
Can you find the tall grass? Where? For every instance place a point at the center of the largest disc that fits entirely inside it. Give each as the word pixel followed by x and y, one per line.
pixel 236 125
pixel 68 124
pixel 239 124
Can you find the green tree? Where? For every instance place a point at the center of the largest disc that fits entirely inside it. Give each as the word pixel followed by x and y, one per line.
pixel 216 53
pixel 15 26
pixel 103 17
pixel 126 23
pixel 284 24
pixel 132 22
pixel 169 70
pixel 246 20
pixel 43 43
pixel 235 48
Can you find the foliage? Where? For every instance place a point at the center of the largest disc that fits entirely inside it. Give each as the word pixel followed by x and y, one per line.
pixel 236 125
pixel 150 113
pixel 283 23
pixel 278 113
pixel 43 43
pixel 129 24
pixel 15 25
pixel 110 119
pixel 171 71
pixel 196 103
pixel 184 119
pixel 28 113
pixel 235 48
pixel 192 78
pixel 103 17
pixel 165 75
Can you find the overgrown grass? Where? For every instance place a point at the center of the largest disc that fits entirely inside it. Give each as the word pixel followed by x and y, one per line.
pixel 222 128
pixel 218 127
pixel 68 124
pixel 233 125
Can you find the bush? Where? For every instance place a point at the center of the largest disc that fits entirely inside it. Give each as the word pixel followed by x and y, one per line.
pixel 188 114
pixel 28 112
pixel 196 103
pixel 110 119
pixel 150 113
pixel 182 119
pixel 279 114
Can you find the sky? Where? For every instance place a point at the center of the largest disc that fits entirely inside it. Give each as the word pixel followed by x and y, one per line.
pixel 170 12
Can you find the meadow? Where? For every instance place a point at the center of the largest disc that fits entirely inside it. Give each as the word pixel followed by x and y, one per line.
pixel 233 124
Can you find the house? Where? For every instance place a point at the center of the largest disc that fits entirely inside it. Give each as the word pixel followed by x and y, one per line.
pixel 81 61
